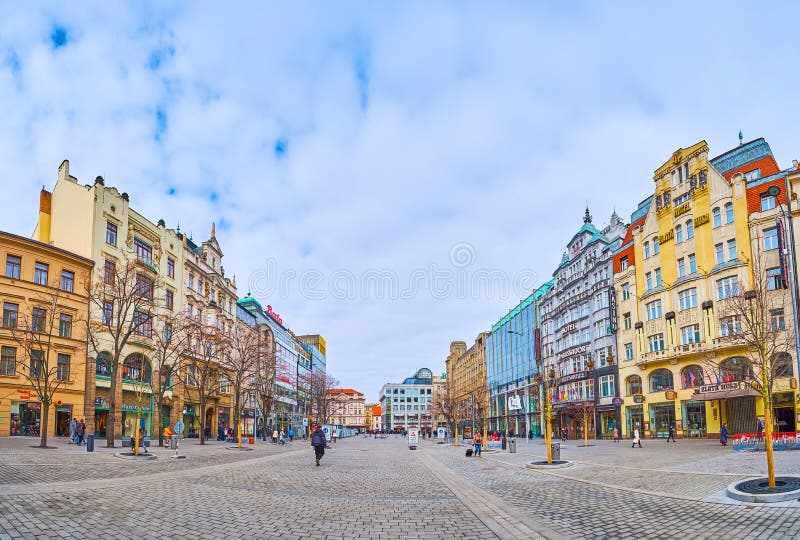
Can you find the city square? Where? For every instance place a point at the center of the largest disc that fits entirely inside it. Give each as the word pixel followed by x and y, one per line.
pixel 377 488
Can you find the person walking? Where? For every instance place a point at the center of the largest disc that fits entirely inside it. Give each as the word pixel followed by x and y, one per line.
pixel 477 443
pixel 615 436
pixel 291 434
pixel 275 436
pixel 281 439
pixel 760 428
pixel 636 439
pixel 81 432
pixel 671 433
pixel 333 436
pixel 723 435
pixel 73 430
pixel 318 443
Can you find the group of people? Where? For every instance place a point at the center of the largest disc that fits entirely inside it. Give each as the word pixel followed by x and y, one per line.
pixel 77 431
pixel 279 437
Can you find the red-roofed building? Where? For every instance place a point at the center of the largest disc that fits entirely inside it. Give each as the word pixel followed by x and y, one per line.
pixel 348 408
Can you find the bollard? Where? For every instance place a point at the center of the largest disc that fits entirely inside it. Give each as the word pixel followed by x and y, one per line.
pixel 90 443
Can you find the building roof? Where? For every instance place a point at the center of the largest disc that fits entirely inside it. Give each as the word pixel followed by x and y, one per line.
pixel 47 247
pixel 744 153
pixel 347 391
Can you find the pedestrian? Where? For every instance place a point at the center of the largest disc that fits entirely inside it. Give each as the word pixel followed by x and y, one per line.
pixel 318 443
pixel 81 432
pixel 220 433
pixel 142 434
pixel 275 436
pixel 477 443
pixel 291 434
pixel 281 439
pixel 760 428
pixel 207 432
pixel 73 430
pixel 564 434
pixel 671 433
pixel 333 436
pixel 636 439
pixel 723 435
pixel 615 436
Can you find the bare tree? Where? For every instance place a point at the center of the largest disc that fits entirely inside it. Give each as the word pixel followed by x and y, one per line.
pixel 264 387
pixel 583 410
pixel 34 330
pixel 170 341
pixel 121 303
pixel 240 362
pixel 202 365
pixel 323 404
pixel 754 320
pixel 447 404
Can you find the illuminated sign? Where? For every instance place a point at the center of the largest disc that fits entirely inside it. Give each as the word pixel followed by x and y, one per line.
pixel 682 209
pixel 701 220
pixel 274 315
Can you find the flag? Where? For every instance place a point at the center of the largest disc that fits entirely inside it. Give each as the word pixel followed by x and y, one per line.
pixel 730 377
pixel 683 378
pixel 692 378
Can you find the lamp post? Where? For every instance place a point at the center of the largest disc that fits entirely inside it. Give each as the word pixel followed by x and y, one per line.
pixel 787 216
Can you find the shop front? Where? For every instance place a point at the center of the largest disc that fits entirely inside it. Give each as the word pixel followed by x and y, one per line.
pixel 607 419
pixel 130 414
pixel 25 418
pixel 223 417
pixel 662 416
pixel 783 408
pixel 101 413
pixel 248 419
pixel 634 419
pixel 63 416
pixel 738 401
pixel 693 424
pixel 190 420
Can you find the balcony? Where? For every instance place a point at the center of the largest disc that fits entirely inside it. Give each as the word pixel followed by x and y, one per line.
pixel 147 263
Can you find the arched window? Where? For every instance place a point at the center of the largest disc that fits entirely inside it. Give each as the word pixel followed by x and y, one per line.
pixel 691 376
pixel 103 365
pixel 735 369
pixel 678 234
pixel 633 385
pixel 646 250
pixel 716 217
pixel 661 379
pixel 136 368
pixel 728 212
pixel 689 229
pixel 782 365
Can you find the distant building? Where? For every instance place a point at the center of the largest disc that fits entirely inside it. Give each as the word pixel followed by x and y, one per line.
pixel 348 408
pixel 410 403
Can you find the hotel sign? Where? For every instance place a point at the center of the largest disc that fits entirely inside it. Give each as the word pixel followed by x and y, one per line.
pixel 682 209
pixel 569 328
pixel 701 220
pixel 572 377
pixel 667 236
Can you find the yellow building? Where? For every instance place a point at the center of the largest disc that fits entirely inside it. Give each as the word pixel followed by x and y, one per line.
pixel 466 371
pixel 42 286
pixel 688 250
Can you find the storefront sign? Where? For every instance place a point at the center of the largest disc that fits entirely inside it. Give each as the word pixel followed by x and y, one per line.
pixel 612 310
pixel 100 402
pixel 129 407
pixel 638 398
pixel 701 220
pixel 572 377
pixel 672 395
pixel 682 209
pixel 617 401
pixel 785 399
pixel 26 394
pixel 274 315
pixel 514 403
pixel 720 387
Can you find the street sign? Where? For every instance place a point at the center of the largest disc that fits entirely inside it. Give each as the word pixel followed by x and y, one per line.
pixel 179 427
pixel 413 438
pixel 305 421
pixel 441 433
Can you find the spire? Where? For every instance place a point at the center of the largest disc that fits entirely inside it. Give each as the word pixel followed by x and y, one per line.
pixel 179 226
pixel 741 137
pixel 213 229
pixel 587 217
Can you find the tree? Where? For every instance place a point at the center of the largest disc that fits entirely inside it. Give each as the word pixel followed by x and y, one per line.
pixel 447 404
pixel 584 411
pixel 202 365
pixel 323 403
pixel 34 331
pixel 170 341
pixel 546 377
pixel 753 319
pixel 264 386
pixel 241 363
pixel 121 304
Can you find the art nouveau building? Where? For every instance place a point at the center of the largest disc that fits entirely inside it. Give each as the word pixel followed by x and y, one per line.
pixel 466 372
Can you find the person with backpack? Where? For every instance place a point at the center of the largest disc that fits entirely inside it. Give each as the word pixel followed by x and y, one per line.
pixel 318 443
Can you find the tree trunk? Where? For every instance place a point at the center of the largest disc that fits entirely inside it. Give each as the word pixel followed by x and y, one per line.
pixel 768 446
pixel 202 420
pixel 44 424
pixel 112 407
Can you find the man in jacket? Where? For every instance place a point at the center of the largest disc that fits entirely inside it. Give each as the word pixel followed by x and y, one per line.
pixel 318 442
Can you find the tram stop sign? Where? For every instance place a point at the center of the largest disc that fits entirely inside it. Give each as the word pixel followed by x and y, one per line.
pixel 179 427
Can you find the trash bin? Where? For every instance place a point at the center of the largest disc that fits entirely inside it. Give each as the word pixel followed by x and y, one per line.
pixel 512 446
pixel 503 442
pixel 90 443
pixel 556 450
pixel 173 442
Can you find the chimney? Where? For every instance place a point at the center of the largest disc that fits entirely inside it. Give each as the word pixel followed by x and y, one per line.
pixel 63 172
pixel 45 203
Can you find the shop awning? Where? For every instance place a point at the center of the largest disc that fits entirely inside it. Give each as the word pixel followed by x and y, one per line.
pixel 725 394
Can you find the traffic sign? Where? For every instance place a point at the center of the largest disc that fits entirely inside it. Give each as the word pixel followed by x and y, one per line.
pixel 305 421
pixel 179 427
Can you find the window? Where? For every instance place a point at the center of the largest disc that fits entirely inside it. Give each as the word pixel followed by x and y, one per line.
pixel 692 263
pixel 191 281
pixel 646 250
pixel 690 334
pixel 65 325
pixel 716 217
pixel 629 351
pixel 626 321
pixel 656 342
pixel 606 386
pixel 10 313
pixel 13 264
pixel 735 369
pixel 191 376
pixel 778 322
pixel 678 234
pixel 623 264
pixel 730 326
pixel 167 332
pixel 40 273
pixel 136 368
pixel 38 317
pixel 782 365
pixel 732 250
pixel 658 276
pixel 688 299
pixel 8 361
pixel 169 299
pixel 656 246
pixel 224 384
pixel 691 376
pixel 144 286
pixel 111 233
pixel 653 310
pixel 143 324
pixel 767 202
pixel 108 313
pixel 728 213
pixel 720 253
pixel 170 267
pixel 62 369
pixel 109 272
pixel 626 291
pixel 37 361
pixel 681 267
pixel 771 238
pixel 774 279
pixel 689 229
pixel 755 174
pixel 648 278
pixel 67 280
pixel 144 251
pixel 727 287
pixel 633 385
pixel 660 380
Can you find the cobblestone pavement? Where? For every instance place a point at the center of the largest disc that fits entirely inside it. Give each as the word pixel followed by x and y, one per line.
pixel 371 488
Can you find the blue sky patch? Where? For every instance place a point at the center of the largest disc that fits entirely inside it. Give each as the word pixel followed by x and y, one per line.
pixel 58 37
pixel 161 123
pixel 281 146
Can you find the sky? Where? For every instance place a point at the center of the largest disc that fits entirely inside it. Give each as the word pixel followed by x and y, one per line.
pixel 391 175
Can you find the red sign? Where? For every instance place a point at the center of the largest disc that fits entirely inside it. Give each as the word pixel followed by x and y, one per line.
pixel 274 315
pixel 26 394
